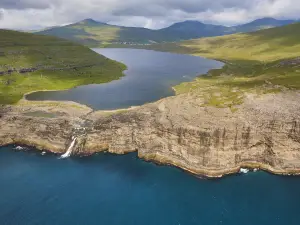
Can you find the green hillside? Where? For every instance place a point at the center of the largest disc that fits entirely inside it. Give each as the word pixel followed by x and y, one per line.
pixel 30 62
pixel 259 62
pixel 264 45
pixel 95 34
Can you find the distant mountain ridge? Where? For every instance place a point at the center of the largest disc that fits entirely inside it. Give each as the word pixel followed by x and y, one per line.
pixel 194 29
pixel 93 33
pixel 262 23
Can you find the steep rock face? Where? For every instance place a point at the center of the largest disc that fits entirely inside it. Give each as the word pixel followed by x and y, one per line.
pixel 43 126
pixel 264 132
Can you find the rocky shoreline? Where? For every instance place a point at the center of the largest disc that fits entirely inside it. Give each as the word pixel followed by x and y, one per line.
pixel 263 133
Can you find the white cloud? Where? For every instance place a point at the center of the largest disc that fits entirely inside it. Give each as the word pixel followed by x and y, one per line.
pixel 28 14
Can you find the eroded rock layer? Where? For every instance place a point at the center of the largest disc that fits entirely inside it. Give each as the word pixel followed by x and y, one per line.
pixel 264 132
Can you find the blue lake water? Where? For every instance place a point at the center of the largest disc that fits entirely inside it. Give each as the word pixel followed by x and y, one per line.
pixel 123 190
pixel 150 77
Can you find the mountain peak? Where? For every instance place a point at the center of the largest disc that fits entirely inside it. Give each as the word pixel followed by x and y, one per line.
pixel 270 20
pixel 266 19
pixel 90 21
pixel 188 22
pixel 191 21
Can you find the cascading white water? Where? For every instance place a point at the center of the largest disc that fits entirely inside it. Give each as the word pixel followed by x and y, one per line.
pixel 69 151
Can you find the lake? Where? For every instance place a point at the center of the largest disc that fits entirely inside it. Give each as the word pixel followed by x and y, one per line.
pixel 123 190
pixel 149 77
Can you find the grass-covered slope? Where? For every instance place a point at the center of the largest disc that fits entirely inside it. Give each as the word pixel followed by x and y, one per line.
pixel 95 34
pixel 260 62
pixel 30 62
pixel 264 45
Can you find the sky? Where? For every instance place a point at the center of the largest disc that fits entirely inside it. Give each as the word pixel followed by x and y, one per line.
pixel 154 14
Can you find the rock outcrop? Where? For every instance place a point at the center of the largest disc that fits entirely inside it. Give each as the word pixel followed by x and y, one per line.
pixel 263 133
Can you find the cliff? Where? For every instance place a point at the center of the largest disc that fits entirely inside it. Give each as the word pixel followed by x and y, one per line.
pixel 264 132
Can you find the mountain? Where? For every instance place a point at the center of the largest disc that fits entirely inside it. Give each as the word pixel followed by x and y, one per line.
pixel 194 29
pixel 93 33
pixel 31 62
pixel 261 24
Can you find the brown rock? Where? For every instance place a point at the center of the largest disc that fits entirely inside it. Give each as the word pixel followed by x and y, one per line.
pixel 263 133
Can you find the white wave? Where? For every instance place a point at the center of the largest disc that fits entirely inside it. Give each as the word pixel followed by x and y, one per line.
pixel 243 170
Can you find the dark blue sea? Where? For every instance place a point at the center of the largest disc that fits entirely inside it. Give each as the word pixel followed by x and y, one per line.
pixel 124 190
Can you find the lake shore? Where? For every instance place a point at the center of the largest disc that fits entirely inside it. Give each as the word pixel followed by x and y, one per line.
pixel 147 81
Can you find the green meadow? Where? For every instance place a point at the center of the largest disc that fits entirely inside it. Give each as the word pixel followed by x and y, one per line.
pixel 54 64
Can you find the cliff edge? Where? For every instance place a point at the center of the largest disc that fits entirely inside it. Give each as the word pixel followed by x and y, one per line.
pixel 264 132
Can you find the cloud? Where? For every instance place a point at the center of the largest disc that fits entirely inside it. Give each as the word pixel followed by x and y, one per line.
pixel 28 14
pixel 24 4
pixel 1 14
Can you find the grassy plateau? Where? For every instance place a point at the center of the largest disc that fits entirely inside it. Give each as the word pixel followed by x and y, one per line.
pixel 259 62
pixel 31 62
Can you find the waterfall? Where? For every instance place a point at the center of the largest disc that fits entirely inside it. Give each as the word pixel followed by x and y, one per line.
pixel 69 151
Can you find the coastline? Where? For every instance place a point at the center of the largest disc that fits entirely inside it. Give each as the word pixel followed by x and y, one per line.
pixel 174 131
pixel 158 160
pixel 181 131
